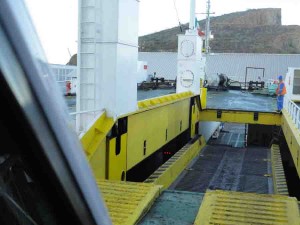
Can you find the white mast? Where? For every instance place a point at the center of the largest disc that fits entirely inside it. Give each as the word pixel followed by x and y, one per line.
pixel 190 63
pixel 193 15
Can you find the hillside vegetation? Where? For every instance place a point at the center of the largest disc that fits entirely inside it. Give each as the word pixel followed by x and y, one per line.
pixel 251 31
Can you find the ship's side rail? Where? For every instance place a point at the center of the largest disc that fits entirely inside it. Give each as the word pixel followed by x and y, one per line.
pixel 294 111
pixel 290 125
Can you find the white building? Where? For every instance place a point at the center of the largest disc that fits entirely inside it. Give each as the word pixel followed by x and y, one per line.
pixel 234 65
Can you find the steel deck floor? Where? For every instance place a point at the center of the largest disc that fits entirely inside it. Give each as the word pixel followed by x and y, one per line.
pixel 227 168
pixel 230 139
pixel 174 207
pixel 238 100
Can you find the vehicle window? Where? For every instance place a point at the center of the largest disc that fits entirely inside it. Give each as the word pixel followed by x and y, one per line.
pixel 23 201
pixel 53 181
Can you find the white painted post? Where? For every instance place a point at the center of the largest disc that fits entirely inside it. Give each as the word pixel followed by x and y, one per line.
pixel 297 116
pixel 294 113
pixel 192 25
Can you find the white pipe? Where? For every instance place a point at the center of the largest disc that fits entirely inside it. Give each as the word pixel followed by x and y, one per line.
pixel 78 100
pixel 87 111
pixel 192 15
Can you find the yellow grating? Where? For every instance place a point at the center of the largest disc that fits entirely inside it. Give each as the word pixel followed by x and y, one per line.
pixel 157 173
pixel 236 208
pixel 127 202
pixel 279 181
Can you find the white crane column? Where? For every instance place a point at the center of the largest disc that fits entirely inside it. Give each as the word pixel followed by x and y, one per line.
pixel 107 58
pixel 190 63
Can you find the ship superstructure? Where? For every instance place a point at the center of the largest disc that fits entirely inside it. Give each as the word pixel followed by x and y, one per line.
pixel 164 144
pixel 192 157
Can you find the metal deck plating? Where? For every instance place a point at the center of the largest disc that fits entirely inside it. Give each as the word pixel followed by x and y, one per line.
pixel 227 168
pixel 174 207
pixel 240 100
pixel 224 207
pixel 127 202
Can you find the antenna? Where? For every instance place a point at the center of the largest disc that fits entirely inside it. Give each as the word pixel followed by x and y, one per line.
pixel 180 26
pixel 69 52
pixel 207 28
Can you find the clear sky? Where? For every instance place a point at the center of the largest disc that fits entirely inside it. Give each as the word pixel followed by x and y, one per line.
pixel 56 20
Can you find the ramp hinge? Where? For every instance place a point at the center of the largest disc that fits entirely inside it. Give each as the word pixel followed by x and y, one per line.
pixel 255 116
pixel 219 113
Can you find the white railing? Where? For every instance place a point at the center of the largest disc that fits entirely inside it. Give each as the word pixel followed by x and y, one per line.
pixel 85 119
pixel 62 74
pixel 294 111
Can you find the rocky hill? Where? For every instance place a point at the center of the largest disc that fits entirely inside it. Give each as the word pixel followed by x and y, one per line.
pixel 251 31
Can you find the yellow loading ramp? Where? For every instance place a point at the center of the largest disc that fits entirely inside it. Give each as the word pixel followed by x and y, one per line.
pixel 237 208
pixel 279 180
pixel 167 173
pixel 127 202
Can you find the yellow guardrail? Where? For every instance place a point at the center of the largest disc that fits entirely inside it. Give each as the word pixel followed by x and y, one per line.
pixel 234 116
pixel 162 100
